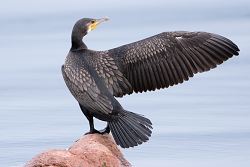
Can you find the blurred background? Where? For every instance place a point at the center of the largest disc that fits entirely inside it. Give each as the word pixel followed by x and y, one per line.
pixel 203 122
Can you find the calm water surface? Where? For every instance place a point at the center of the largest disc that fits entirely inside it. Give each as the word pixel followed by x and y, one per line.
pixel 203 122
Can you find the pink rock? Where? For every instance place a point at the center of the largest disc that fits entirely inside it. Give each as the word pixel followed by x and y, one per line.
pixel 92 150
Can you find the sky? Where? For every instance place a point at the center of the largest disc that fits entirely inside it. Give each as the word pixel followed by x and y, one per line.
pixel 13 8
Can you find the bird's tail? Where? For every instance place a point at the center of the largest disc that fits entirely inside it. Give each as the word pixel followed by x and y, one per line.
pixel 130 129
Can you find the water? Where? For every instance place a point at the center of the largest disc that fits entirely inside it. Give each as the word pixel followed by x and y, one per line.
pixel 203 122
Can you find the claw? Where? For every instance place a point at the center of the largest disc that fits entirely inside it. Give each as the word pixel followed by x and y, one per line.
pixel 103 131
pixel 93 132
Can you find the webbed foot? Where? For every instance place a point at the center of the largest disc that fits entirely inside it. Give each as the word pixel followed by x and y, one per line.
pixel 103 131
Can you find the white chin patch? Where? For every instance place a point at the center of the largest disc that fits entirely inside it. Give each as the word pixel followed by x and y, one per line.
pixel 88 30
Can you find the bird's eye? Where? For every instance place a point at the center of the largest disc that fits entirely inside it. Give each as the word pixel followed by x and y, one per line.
pixel 93 21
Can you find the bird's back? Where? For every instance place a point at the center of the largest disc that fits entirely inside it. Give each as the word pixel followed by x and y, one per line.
pixel 84 83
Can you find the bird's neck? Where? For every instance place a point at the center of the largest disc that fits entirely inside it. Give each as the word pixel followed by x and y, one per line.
pixel 77 43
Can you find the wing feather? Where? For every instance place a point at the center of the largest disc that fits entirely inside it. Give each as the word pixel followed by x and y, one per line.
pixel 107 69
pixel 170 58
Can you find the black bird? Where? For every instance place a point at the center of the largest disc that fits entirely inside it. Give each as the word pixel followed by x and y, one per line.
pixel 160 61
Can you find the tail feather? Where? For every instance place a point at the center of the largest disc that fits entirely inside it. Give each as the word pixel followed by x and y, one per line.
pixel 132 136
pixel 115 133
pixel 130 129
pixel 140 118
pixel 141 127
pixel 124 134
pixel 139 130
pixel 120 137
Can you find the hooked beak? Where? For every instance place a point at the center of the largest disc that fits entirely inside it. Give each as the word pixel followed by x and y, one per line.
pixel 96 22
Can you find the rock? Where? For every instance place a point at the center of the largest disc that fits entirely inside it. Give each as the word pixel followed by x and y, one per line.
pixel 93 150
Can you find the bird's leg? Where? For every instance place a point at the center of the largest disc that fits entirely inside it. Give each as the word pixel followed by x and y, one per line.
pixel 90 119
pixel 92 129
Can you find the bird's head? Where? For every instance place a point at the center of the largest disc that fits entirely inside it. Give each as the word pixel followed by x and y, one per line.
pixel 85 25
pixel 82 27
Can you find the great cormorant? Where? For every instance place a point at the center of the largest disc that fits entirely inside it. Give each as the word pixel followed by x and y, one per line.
pixel 160 61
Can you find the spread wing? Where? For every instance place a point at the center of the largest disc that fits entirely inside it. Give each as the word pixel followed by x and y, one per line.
pixel 170 58
pixel 83 87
